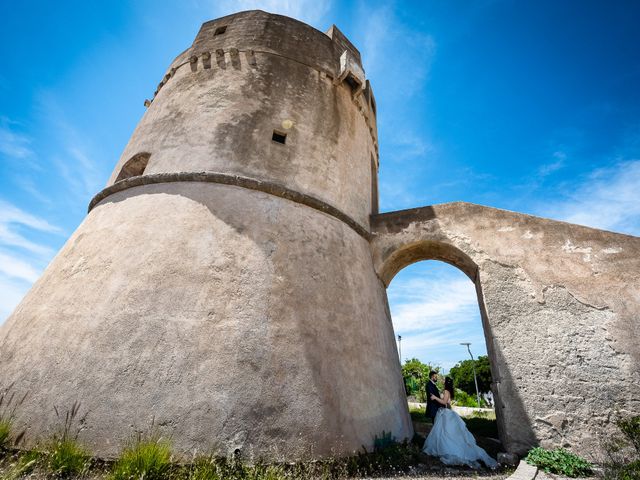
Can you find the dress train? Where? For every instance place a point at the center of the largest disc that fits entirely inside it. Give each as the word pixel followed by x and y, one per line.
pixel 453 443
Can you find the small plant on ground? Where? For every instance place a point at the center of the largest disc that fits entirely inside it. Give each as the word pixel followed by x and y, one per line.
pixel 388 457
pixel 63 455
pixel 22 464
pixel 66 458
pixel 623 452
pixel 9 402
pixel 559 461
pixel 148 458
pixel 5 434
pixel 384 441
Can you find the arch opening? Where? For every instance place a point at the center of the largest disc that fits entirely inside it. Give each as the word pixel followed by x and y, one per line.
pixel 434 309
pixel 134 167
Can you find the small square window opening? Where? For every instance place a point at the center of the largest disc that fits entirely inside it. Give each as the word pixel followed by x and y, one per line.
pixel 279 137
pixel 220 30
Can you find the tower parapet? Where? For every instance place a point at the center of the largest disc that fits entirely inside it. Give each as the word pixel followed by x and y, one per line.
pixel 271 99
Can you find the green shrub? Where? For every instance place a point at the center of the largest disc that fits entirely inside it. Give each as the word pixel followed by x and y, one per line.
pixel 559 461
pixel 623 452
pixel 630 428
pixel 385 440
pixel 143 458
pixel 65 458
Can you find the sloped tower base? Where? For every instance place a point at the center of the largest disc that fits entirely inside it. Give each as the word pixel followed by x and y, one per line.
pixel 225 317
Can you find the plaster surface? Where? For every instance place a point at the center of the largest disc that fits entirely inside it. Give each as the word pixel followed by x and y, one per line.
pixel 560 309
pixel 225 316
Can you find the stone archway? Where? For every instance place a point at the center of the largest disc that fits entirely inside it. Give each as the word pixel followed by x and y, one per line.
pixel 550 321
pixel 441 250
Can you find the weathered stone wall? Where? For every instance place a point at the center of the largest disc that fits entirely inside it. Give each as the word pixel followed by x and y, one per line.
pixel 225 315
pixel 226 291
pixel 218 114
pixel 561 313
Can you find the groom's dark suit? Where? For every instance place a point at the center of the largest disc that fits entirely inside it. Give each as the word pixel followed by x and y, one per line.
pixel 432 405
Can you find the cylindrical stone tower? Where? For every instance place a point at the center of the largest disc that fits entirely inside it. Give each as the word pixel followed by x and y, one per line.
pixel 221 287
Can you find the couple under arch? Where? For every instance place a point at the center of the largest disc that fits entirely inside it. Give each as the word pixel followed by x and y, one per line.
pixel 449 438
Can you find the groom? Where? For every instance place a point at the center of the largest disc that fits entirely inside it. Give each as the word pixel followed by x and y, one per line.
pixel 432 389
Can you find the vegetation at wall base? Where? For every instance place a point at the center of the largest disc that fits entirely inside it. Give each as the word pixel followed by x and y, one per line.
pixel 5 434
pixel 18 465
pixel 65 457
pixel 622 460
pixel 559 461
pixel 148 458
pixel 9 402
pixel 151 460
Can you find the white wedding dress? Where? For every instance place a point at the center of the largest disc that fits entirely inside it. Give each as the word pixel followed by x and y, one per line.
pixel 450 441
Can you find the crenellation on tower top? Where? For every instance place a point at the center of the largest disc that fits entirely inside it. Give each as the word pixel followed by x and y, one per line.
pixel 245 76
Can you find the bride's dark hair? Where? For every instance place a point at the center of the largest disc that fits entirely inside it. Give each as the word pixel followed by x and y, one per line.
pixel 448 386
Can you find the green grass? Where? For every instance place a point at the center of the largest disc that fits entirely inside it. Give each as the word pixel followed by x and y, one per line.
pixel 5 433
pixel 22 465
pixel 482 427
pixel 482 424
pixel 419 415
pixel 65 457
pixel 211 468
pixel 148 459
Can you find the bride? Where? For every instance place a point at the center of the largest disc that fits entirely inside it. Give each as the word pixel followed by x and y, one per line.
pixel 449 438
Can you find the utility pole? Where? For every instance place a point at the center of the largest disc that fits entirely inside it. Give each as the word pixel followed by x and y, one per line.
pixel 473 364
pixel 400 348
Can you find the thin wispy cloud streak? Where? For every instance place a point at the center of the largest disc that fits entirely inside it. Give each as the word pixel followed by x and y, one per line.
pixel 10 214
pixel 608 198
pixel 390 50
pixel 74 160
pixel 434 307
pixel 21 258
pixel 13 267
pixel 14 144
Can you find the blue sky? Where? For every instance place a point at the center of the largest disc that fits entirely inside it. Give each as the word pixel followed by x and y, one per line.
pixel 533 107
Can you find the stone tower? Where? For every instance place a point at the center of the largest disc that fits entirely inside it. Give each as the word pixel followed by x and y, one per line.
pixel 222 283
pixel 228 285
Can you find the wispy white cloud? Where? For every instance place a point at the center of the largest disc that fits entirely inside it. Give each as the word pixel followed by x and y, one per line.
pixel 16 268
pixel 28 185
pixel 390 49
pixel 21 257
pixel 73 161
pixel 309 11
pixel 607 198
pixel 432 304
pixel 10 214
pixel 434 307
pixel 12 143
pixel 558 162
